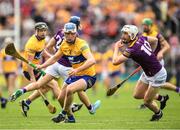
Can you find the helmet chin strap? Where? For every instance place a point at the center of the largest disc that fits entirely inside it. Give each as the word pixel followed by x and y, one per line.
pixel 39 38
pixel 72 42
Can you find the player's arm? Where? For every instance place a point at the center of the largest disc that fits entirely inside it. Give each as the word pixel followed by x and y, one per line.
pixel 118 59
pixel 51 60
pixel 50 46
pixel 152 40
pixel 90 60
pixel 88 63
pixel 164 46
pixel 30 57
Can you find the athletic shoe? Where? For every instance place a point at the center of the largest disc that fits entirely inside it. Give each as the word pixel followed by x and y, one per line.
pixel 157 117
pixel 142 106
pixel 69 121
pixel 76 107
pixel 24 107
pixel 59 118
pixel 15 95
pixel 3 103
pixel 95 106
pixel 163 103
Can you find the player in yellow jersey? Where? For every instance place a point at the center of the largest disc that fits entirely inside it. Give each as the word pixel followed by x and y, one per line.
pixel 81 77
pixel 160 49
pixel 34 51
pixel 112 72
pixel 60 70
pixel 98 67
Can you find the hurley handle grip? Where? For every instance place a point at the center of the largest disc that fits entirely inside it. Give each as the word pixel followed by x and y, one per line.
pixel 34 66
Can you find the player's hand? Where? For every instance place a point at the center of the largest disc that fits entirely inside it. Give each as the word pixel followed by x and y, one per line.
pixel 72 72
pixel 39 67
pixel 160 56
pixel 119 44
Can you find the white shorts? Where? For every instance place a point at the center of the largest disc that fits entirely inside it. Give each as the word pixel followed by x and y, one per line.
pixel 57 70
pixel 157 80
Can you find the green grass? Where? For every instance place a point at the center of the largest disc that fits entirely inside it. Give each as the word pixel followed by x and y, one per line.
pixel 115 113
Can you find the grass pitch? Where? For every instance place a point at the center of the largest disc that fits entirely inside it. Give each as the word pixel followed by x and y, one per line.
pixel 115 113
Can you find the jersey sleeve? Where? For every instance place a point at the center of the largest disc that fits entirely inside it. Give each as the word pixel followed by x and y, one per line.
pixel 127 53
pixel 84 48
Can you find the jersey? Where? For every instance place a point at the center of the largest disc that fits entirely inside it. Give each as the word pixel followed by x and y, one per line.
pixel 108 57
pixel 157 35
pixel 9 63
pixel 74 53
pixel 59 37
pixel 140 51
pixel 34 47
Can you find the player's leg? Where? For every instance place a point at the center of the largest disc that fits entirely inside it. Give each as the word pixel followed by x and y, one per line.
pixel 151 104
pixel 25 104
pixel 171 87
pixel 85 100
pixel 76 84
pixel 3 100
pixel 32 86
pixel 140 89
pixel 11 81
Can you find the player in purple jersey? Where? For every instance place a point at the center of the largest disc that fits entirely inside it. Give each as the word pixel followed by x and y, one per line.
pixel 160 49
pixel 139 49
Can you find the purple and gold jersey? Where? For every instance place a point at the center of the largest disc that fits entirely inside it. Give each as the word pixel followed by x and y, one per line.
pixel 140 51
pixel 59 36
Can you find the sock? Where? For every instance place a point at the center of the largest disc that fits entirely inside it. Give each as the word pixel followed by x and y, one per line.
pixel 64 112
pixel 158 113
pixel 178 89
pixel 160 98
pixel 24 90
pixel 28 102
pixel 89 107
pixel 2 99
pixel 71 118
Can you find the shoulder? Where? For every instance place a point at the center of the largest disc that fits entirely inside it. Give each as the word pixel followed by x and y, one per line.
pixel 81 44
pixel 31 43
pixel 59 34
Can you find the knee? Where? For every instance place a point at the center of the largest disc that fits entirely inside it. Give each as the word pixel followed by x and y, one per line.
pixel 69 91
pixel 137 96
pixel 37 85
pixel 147 101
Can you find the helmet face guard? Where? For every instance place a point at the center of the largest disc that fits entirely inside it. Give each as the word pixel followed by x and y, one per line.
pixel 70 28
pixel 70 32
pixel 41 25
pixel 131 30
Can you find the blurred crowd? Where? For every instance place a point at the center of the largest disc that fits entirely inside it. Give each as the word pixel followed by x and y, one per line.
pixel 101 21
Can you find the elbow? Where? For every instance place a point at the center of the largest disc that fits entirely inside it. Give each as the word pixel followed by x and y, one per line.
pixel 93 61
pixel 168 47
pixel 115 62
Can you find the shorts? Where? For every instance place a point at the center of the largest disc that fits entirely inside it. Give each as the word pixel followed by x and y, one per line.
pixel 37 75
pixel 8 74
pixel 57 70
pixel 157 80
pixel 90 80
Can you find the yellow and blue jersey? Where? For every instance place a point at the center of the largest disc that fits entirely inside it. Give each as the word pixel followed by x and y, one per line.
pixel 34 47
pixel 74 52
pixel 9 63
